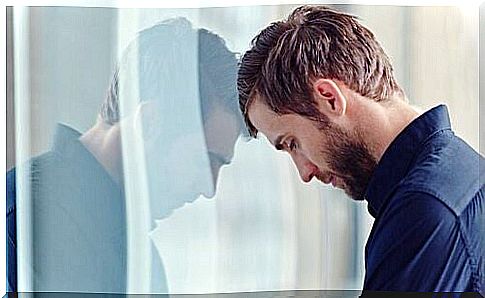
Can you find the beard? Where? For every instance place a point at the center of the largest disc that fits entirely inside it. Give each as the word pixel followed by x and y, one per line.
pixel 349 157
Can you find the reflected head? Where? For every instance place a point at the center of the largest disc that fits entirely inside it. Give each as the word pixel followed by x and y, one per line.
pixel 157 63
pixel 174 63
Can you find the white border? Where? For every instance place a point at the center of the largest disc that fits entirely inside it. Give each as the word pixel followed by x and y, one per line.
pixel 228 3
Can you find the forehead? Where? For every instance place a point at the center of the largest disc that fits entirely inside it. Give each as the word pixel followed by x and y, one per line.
pixel 262 117
pixel 273 125
pixel 222 128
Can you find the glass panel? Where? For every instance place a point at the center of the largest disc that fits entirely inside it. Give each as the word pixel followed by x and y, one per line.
pixel 134 170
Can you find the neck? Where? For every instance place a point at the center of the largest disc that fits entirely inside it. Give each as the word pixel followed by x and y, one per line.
pixel 104 142
pixel 384 122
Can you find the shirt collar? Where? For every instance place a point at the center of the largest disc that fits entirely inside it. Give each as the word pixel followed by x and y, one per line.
pixel 65 138
pixel 399 156
pixel 66 143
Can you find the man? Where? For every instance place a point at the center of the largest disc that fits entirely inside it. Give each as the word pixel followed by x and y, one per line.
pixel 320 87
pixel 173 94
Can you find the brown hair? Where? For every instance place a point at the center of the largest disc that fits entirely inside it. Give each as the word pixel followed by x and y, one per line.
pixel 314 42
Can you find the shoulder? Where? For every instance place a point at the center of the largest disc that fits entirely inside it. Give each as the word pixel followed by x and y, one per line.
pixel 34 171
pixel 414 212
pixel 410 220
pixel 413 246
pixel 448 169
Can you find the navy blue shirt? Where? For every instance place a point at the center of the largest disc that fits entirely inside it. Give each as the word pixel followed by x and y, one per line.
pixel 427 196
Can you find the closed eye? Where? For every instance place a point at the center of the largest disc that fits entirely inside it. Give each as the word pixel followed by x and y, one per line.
pixel 288 145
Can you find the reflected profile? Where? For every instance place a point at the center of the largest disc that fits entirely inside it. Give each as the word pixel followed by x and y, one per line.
pixel 175 92
pixel 168 124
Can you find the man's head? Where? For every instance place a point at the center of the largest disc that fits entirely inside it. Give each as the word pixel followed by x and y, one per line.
pixel 307 83
pixel 162 64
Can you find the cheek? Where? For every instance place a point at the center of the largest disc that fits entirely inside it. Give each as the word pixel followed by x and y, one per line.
pixel 318 153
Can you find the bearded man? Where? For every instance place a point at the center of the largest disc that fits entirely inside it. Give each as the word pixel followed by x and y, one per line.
pixel 320 87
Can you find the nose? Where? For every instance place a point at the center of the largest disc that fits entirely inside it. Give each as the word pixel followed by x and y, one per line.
pixel 209 190
pixel 305 167
pixel 209 194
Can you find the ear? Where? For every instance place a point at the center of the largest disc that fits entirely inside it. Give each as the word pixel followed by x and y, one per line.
pixel 329 98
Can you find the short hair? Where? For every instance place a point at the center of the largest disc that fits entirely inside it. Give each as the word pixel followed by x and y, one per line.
pixel 313 42
pixel 159 52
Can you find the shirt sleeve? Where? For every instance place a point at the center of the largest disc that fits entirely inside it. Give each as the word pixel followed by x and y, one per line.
pixel 417 246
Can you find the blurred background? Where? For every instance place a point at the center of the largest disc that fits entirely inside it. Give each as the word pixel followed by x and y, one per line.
pixel 265 229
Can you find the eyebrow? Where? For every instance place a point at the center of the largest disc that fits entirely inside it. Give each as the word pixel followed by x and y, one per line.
pixel 277 142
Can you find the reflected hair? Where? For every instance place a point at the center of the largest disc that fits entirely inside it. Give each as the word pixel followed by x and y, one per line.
pixel 313 42
pixel 159 52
